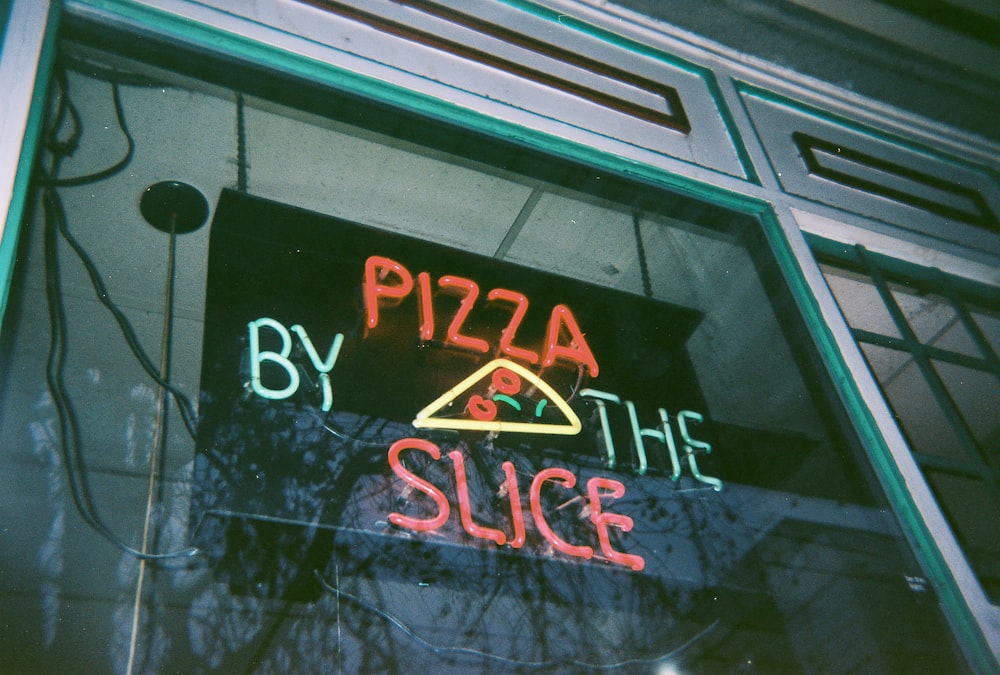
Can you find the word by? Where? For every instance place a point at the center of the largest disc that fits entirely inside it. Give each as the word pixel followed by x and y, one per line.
pixel 388 280
pixel 597 489
pixel 664 435
pixel 280 358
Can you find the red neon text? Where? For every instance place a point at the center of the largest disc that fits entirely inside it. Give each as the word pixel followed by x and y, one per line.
pixel 378 271
pixel 444 509
pixel 387 283
pixel 567 480
pixel 507 336
pixel 597 489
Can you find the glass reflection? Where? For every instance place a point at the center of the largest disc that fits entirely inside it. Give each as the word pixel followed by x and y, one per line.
pixel 795 565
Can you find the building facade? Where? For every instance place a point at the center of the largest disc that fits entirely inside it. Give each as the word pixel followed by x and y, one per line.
pixel 499 335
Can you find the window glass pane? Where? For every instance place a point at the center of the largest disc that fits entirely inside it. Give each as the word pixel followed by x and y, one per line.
pixel 336 168
pixel 956 338
pixel 919 413
pixel 860 301
pixel 976 393
pixel 947 411
pixel 973 508
pixel 989 323
pixel 451 405
pixel 933 320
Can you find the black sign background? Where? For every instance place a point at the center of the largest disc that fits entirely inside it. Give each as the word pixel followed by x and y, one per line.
pixel 291 465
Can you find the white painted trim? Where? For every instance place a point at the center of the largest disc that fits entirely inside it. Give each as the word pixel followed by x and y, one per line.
pixel 919 254
pixel 986 614
pixel 19 62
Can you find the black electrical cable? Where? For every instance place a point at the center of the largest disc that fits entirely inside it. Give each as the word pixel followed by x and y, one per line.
pixel 55 225
pixel 184 405
pixel 110 171
pixel 69 424
pixel 647 284
pixel 241 144
pixel 60 150
pixel 64 148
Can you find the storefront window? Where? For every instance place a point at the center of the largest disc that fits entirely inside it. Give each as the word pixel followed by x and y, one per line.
pixel 934 354
pixel 413 398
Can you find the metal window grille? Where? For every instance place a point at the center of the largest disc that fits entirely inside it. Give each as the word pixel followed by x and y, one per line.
pixel 931 340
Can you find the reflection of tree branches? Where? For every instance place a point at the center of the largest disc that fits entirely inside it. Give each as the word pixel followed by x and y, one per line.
pixel 264 644
pixel 466 651
pixel 520 609
pixel 330 427
pixel 390 661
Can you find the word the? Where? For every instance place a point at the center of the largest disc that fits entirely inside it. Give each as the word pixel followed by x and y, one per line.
pixel 597 489
pixel 664 434
pixel 387 282
pixel 280 359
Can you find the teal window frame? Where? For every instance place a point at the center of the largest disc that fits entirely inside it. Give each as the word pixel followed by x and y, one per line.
pixel 958 293
pixel 27 53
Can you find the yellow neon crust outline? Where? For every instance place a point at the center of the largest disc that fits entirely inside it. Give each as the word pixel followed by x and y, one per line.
pixel 424 420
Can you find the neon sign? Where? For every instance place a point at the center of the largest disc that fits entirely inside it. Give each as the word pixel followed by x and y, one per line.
pixel 503 380
pixel 507 379
pixel 370 378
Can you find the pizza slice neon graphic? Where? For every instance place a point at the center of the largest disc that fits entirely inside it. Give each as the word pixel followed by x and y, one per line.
pixel 506 380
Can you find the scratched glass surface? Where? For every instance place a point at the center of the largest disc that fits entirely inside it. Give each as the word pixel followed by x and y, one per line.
pixel 647 471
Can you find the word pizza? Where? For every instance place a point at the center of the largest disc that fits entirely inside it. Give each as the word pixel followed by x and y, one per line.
pixel 387 282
